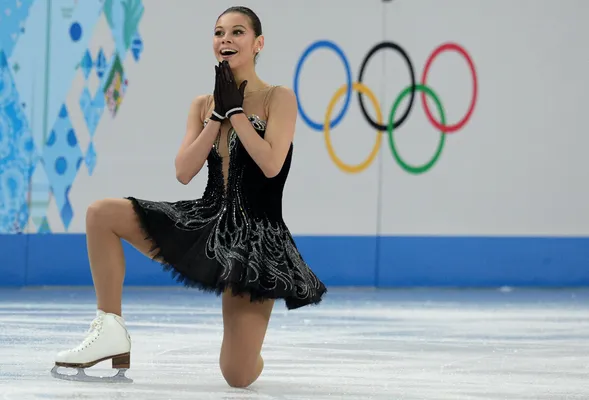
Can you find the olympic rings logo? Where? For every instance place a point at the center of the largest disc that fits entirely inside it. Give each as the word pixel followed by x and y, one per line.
pixel 393 124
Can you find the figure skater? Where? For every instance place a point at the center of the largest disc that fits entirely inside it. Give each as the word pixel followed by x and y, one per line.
pixel 233 240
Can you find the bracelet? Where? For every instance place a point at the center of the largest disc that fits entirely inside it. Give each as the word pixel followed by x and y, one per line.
pixel 217 117
pixel 233 111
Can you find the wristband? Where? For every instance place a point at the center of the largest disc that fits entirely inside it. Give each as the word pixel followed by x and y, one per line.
pixel 233 111
pixel 216 116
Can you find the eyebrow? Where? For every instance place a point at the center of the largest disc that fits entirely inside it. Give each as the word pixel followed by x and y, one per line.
pixel 235 26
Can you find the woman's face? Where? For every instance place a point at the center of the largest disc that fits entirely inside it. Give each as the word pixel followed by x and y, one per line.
pixel 235 40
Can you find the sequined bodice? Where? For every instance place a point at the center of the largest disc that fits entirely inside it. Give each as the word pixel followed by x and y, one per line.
pixel 242 187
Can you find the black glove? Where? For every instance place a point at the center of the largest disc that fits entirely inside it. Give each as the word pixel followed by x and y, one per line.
pixel 219 111
pixel 231 96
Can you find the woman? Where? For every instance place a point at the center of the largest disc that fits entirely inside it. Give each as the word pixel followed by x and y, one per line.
pixel 233 240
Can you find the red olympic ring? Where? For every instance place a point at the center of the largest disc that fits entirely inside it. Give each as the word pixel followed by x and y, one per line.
pixel 430 60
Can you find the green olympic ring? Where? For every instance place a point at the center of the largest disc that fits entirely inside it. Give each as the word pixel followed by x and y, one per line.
pixel 419 169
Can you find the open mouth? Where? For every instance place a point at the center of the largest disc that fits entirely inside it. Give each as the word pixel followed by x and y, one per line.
pixel 228 53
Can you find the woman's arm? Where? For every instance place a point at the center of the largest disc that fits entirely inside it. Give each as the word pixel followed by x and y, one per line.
pixel 270 152
pixel 197 142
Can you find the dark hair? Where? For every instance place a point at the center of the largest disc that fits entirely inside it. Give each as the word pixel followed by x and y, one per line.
pixel 254 20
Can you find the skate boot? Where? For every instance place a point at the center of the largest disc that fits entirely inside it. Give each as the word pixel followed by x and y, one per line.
pixel 106 339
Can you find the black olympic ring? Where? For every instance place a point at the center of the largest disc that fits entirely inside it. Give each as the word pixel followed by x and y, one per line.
pixel 403 53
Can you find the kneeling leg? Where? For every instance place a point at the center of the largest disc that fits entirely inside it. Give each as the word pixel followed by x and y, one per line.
pixel 244 329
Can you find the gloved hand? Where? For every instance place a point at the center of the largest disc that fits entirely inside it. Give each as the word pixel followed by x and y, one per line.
pixel 219 111
pixel 231 95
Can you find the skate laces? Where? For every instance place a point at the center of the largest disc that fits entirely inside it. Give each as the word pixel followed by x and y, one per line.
pixel 95 325
pixel 92 332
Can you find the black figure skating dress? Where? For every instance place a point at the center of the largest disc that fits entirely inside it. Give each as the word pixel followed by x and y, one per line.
pixel 234 236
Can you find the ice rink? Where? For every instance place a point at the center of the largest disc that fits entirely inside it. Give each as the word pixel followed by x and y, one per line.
pixel 398 344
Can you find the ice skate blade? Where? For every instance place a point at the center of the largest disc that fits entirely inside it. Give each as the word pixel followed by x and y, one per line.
pixel 81 376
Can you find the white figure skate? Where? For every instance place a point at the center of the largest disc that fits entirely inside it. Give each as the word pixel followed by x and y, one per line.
pixel 107 339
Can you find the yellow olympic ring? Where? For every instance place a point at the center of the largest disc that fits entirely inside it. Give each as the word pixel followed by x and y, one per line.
pixel 351 168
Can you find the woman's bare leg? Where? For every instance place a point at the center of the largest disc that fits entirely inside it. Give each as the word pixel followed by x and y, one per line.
pixel 107 222
pixel 244 329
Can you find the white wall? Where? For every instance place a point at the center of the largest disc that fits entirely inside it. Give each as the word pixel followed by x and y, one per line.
pixel 516 168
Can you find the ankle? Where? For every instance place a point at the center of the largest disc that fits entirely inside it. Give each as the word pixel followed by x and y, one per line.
pixel 106 310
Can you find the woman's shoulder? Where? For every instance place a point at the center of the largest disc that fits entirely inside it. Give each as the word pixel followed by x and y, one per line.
pixel 203 100
pixel 281 91
pixel 201 104
pixel 280 94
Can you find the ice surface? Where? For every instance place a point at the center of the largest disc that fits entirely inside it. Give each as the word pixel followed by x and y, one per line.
pixel 398 344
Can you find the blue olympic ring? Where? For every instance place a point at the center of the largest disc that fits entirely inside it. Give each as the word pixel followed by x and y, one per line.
pixel 331 46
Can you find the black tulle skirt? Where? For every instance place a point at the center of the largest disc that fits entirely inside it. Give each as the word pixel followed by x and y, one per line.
pixel 224 251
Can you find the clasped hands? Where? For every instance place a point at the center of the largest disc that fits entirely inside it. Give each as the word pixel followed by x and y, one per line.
pixel 227 96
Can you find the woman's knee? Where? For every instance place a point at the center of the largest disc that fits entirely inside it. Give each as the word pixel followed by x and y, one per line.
pixel 103 213
pixel 238 374
pixel 96 212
